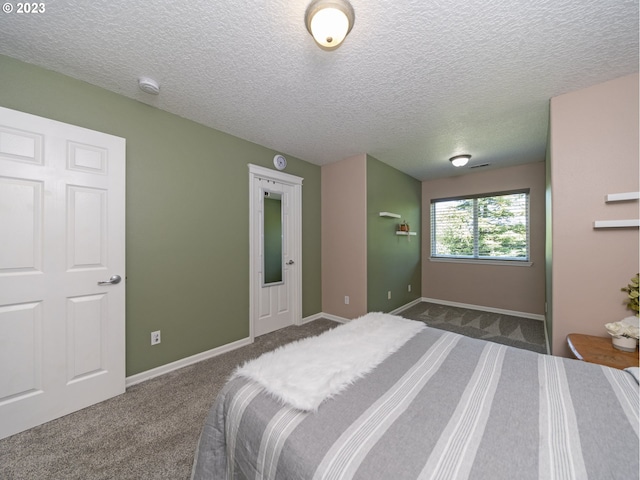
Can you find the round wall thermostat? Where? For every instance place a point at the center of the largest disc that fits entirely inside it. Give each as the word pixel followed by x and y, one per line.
pixel 279 162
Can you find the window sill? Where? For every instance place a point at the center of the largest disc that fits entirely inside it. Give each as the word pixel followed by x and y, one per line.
pixel 477 261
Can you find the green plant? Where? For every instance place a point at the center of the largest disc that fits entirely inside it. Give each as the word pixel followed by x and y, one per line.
pixel 632 293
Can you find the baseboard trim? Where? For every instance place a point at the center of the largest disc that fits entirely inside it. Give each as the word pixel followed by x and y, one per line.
pixel 404 307
pixel 184 362
pixel 334 318
pixel 546 337
pixel 311 318
pixel 532 316
pixel 326 316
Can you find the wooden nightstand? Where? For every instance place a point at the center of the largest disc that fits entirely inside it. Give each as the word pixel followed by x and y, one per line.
pixel 600 350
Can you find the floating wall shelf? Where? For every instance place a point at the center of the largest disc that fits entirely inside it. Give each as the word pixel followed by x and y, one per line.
pixel 619 197
pixel 395 215
pixel 622 197
pixel 616 224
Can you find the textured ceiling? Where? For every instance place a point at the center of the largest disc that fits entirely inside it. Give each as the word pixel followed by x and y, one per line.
pixel 415 82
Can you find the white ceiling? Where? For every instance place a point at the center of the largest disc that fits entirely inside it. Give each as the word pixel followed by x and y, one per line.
pixel 415 82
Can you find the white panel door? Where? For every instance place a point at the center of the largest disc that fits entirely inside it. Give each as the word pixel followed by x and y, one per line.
pixel 276 303
pixel 62 238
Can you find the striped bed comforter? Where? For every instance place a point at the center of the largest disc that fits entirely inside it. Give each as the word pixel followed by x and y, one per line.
pixel 442 407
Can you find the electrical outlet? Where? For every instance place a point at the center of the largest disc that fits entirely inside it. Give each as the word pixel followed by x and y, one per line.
pixel 155 337
pixel 346 299
pixel 389 295
pixel 409 288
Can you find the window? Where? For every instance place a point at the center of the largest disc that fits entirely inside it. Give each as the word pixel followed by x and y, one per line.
pixel 484 227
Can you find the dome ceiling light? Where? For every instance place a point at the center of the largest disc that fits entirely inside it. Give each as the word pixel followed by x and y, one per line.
pixel 329 22
pixel 460 160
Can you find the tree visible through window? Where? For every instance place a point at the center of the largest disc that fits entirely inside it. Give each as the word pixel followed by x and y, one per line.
pixel 494 227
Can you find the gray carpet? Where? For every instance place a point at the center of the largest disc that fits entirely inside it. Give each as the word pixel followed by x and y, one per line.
pixel 495 327
pixel 150 432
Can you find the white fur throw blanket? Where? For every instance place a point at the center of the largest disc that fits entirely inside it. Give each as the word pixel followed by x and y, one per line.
pixel 303 374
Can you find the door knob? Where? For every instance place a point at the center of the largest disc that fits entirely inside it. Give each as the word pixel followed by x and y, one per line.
pixel 112 281
pixel 290 262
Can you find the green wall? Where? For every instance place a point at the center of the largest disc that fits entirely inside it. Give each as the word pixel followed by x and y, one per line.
pixel 393 262
pixel 187 214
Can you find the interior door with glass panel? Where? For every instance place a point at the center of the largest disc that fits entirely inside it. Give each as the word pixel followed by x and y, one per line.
pixel 276 301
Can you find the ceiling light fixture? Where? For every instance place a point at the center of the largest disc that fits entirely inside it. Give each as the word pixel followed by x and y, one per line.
pixel 329 22
pixel 460 160
pixel 149 85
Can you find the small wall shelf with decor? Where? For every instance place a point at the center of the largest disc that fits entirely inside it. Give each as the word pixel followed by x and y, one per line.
pixel 389 215
pixel 406 233
pixel 619 197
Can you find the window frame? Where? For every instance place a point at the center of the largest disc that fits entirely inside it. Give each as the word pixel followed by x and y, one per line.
pixel 476 258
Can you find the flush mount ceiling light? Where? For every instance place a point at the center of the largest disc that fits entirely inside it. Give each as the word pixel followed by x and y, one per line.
pixel 149 85
pixel 329 22
pixel 460 160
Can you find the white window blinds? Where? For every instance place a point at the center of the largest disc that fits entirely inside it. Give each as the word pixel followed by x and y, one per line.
pixel 490 226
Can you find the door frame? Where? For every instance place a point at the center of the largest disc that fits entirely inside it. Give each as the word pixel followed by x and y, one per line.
pixel 258 172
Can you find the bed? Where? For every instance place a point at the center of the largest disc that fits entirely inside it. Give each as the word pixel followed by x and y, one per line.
pixel 432 405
